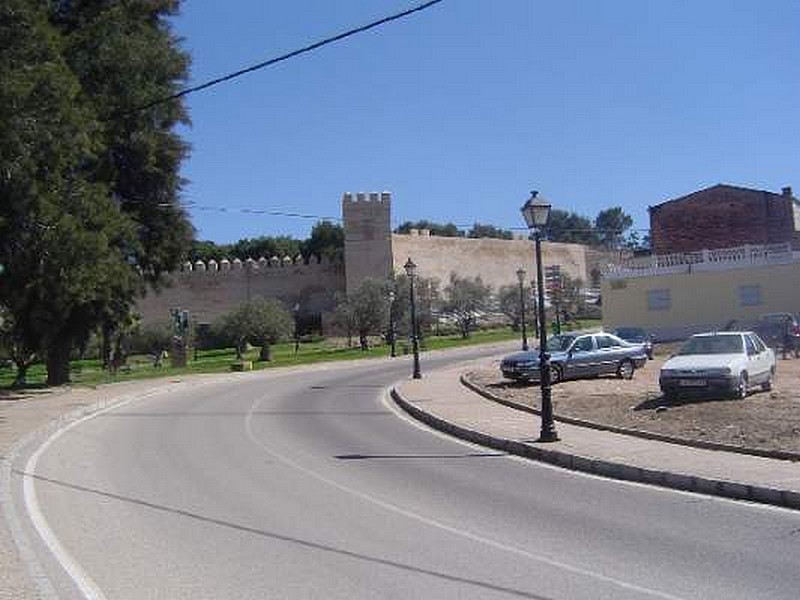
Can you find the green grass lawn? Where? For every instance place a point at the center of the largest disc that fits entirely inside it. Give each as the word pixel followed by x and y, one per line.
pixel 90 372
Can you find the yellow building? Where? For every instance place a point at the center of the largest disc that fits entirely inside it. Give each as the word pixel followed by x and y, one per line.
pixel 676 295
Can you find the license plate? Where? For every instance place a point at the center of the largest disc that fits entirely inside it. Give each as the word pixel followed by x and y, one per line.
pixel 692 382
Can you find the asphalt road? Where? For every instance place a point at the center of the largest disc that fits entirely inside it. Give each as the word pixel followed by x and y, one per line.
pixel 310 485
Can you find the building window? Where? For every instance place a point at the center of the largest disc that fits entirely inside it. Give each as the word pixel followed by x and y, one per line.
pixel 749 295
pixel 658 300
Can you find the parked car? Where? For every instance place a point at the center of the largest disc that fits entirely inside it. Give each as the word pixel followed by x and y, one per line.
pixel 730 362
pixel 636 335
pixel 780 331
pixel 578 356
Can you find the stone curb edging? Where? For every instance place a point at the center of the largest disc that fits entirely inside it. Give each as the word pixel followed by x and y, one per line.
pixel 690 483
pixel 648 435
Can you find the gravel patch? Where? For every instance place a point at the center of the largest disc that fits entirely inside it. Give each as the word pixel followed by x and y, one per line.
pixel 763 420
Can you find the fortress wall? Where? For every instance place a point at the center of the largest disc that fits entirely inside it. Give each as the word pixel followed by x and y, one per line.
pixel 208 294
pixel 496 261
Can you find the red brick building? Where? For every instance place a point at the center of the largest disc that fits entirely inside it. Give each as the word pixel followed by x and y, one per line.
pixel 724 216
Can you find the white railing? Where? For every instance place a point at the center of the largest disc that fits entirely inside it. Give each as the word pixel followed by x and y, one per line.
pixel 703 260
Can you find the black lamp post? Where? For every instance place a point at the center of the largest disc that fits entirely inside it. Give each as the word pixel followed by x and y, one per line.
pixel 521 279
pixel 392 345
pixel 535 313
pixel 296 312
pixel 411 271
pixel 536 212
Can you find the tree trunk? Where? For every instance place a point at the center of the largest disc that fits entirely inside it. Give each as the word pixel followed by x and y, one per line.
pixel 105 346
pixel 21 375
pixel 58 362
pixel 266 352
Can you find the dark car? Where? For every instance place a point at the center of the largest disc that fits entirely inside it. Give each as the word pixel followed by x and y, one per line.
pixel 636 335
pixel 780 331
pixel 578 356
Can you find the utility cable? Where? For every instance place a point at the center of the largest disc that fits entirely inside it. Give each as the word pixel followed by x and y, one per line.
pixel 284 57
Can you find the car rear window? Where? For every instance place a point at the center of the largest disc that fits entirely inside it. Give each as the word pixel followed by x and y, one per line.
pixel 713 344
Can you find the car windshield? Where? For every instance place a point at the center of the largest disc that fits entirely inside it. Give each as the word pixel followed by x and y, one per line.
pixel 560 343
pixel 713 344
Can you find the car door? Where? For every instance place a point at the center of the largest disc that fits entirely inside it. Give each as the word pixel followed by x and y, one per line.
pixel 756 360
pixel 608 354
pixel 764 357
pixel 581 358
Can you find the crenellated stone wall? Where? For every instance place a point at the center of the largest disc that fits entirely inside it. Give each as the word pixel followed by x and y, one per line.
pixel 495 261
pixel 210 290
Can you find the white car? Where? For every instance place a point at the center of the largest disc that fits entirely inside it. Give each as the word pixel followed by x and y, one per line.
pixel 731 362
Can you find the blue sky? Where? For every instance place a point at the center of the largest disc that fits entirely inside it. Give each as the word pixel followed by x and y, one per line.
pixel 461 109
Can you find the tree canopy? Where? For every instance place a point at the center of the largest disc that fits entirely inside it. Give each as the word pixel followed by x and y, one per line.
pixel 89 196
pixel 489 231
pixel 326 240
pixel 611 225
pixel 259 322
pixel 465 298
pixel 444 230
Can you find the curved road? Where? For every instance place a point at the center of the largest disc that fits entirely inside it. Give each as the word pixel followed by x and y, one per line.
pixel 310 485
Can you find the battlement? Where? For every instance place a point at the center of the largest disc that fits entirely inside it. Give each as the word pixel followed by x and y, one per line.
pixel 363 197
pixel 264 265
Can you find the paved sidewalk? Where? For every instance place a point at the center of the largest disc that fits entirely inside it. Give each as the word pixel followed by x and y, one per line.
pixel 442 401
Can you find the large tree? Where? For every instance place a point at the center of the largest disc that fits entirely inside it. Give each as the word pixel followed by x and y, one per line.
pixel 326 241
pixel 367 309
pixel 443 230
pixel 480 230
pixel 89 191
pixel 611 225
pixel 465 299
pixel 259 322
pixel 570 227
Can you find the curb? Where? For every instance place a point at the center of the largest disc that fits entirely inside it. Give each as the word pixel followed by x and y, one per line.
pixel 604 468
pixel 648 435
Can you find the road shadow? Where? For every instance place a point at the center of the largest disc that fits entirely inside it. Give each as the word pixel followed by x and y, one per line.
pixel 661 402
pixel 417 456
pixel 310 545
pixel 26 392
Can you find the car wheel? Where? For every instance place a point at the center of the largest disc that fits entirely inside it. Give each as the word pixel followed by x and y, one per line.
pixel 767 385
pixel 741 387
pixel 625 369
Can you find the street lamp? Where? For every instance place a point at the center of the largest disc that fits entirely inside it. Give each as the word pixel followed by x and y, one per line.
pixel 392 296
pixel 411 271
pixel 534 311
pixel 521 279
pixel 296 312
pixel 536 212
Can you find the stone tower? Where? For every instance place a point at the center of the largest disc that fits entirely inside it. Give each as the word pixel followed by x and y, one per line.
pixel 367 237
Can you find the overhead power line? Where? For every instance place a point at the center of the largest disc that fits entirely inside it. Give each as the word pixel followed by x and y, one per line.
pixel 258 211
pixel 272 61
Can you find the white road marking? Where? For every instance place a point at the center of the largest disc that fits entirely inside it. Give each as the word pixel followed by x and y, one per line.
pixel 443 526
pixel 85 584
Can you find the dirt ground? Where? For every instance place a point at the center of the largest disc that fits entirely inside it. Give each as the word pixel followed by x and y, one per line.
pixel 765 420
